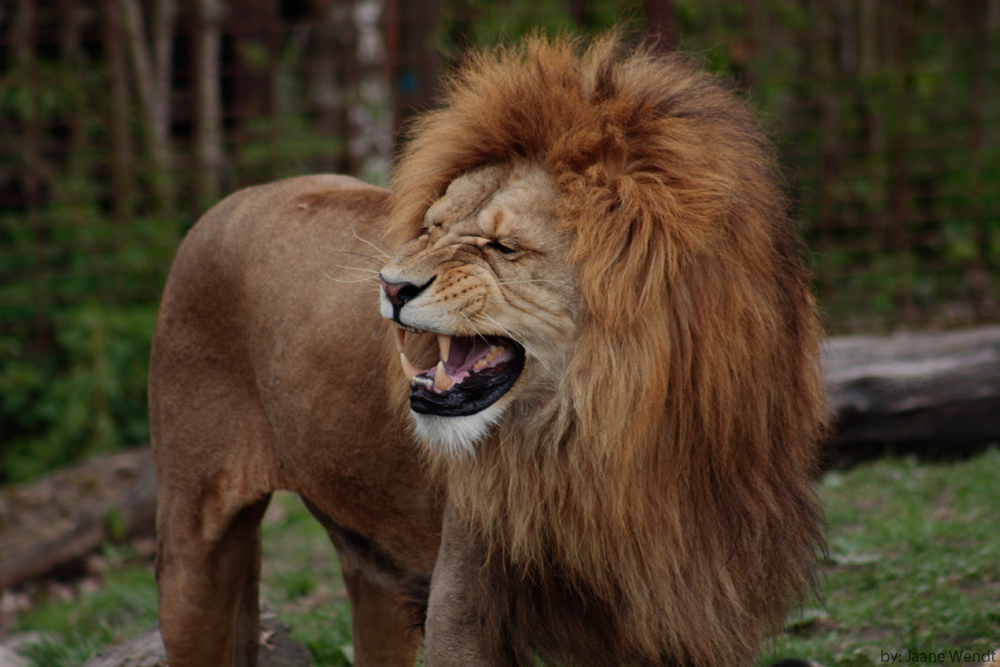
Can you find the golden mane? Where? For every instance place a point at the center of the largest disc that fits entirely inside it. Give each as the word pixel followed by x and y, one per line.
pixel 665 490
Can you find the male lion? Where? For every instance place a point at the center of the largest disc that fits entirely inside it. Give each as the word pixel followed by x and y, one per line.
pixel 603 443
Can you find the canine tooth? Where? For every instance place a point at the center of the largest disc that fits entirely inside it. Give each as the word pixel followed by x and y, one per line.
pixel 400 337
pixel 409 369
pixel 441 379
pixel 444 344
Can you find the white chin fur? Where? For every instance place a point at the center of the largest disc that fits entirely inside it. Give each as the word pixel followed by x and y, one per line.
pixel 455 436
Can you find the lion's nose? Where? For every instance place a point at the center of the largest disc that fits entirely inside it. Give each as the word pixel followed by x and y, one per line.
pixel 401 293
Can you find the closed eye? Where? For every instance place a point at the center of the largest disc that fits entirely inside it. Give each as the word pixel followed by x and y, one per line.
pixel 501 248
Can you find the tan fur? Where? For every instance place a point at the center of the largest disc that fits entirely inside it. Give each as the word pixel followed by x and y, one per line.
pixel 642 495
pixel 667 473
pixel 269 371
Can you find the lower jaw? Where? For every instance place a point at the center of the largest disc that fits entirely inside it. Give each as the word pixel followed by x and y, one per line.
pixel 470 397
pixel 456 437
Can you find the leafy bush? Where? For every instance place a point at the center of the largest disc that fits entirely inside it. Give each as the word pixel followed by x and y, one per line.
pixel 86 394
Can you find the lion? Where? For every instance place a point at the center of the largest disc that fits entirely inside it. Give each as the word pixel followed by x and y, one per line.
pixel 567 367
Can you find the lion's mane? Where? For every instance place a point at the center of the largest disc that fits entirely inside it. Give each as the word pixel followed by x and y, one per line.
pixel 659 508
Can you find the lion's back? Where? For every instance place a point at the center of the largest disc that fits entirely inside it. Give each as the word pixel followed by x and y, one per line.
pixel 268 308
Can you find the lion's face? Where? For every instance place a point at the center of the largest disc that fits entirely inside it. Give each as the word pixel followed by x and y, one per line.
pixel 489 275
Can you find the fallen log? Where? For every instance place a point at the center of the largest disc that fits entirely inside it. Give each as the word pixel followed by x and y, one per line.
pixel 935 394
pixel 60 518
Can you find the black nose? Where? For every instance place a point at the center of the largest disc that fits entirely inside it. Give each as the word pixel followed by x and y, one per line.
pixel 401 293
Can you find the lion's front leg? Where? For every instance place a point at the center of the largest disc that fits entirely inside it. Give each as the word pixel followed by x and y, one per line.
pixel 454 635
pixel 208 587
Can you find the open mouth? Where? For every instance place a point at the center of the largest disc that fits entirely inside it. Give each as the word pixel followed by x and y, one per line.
pixel 472 374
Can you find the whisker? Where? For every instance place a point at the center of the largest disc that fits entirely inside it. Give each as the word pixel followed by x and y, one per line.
pixel 347 282
pixel 510 334
pixel 355 268
pixel 532 280
pixel 471 324
pixel 361 255
pixel 376 248
pixel 504 302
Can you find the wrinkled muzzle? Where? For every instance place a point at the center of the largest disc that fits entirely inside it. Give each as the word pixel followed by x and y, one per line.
pixel 472 373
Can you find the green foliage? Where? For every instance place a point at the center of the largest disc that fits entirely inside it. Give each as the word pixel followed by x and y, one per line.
pixel 480 23
pixel 74 340
pixel 893 162
pixel 86 397
pixel 79 285
pixel 279 146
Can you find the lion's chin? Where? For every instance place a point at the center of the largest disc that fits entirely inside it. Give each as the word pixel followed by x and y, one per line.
pixel 455 437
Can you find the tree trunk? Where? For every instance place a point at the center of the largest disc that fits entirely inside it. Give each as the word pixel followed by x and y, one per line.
pixel 333 39
pixel 412 60
pixel 30 147
pixel 153 71
pixel 981 277
pixel 79 163
pixel 209 114
pixel 900 194
pixel 867 37
pixel 370 141
pixel 253 75
pixel 122 147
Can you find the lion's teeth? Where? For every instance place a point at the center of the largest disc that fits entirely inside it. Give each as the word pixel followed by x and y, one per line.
pixel 400 337
pixel 409 369
pixel 441 379
pixel 444 344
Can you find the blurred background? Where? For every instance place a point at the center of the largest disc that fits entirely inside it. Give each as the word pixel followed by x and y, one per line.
pixel 121 121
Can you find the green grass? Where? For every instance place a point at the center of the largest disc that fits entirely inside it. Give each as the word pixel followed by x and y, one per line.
pixel 123 605
pixel 914 566
pixel 302 584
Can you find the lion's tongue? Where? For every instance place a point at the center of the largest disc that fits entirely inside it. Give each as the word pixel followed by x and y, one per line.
pixel 460 357
pixel 463 353
pixel 464 357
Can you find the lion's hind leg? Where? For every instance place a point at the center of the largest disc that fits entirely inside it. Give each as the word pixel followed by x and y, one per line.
pixel 383 634
pixel 248 612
